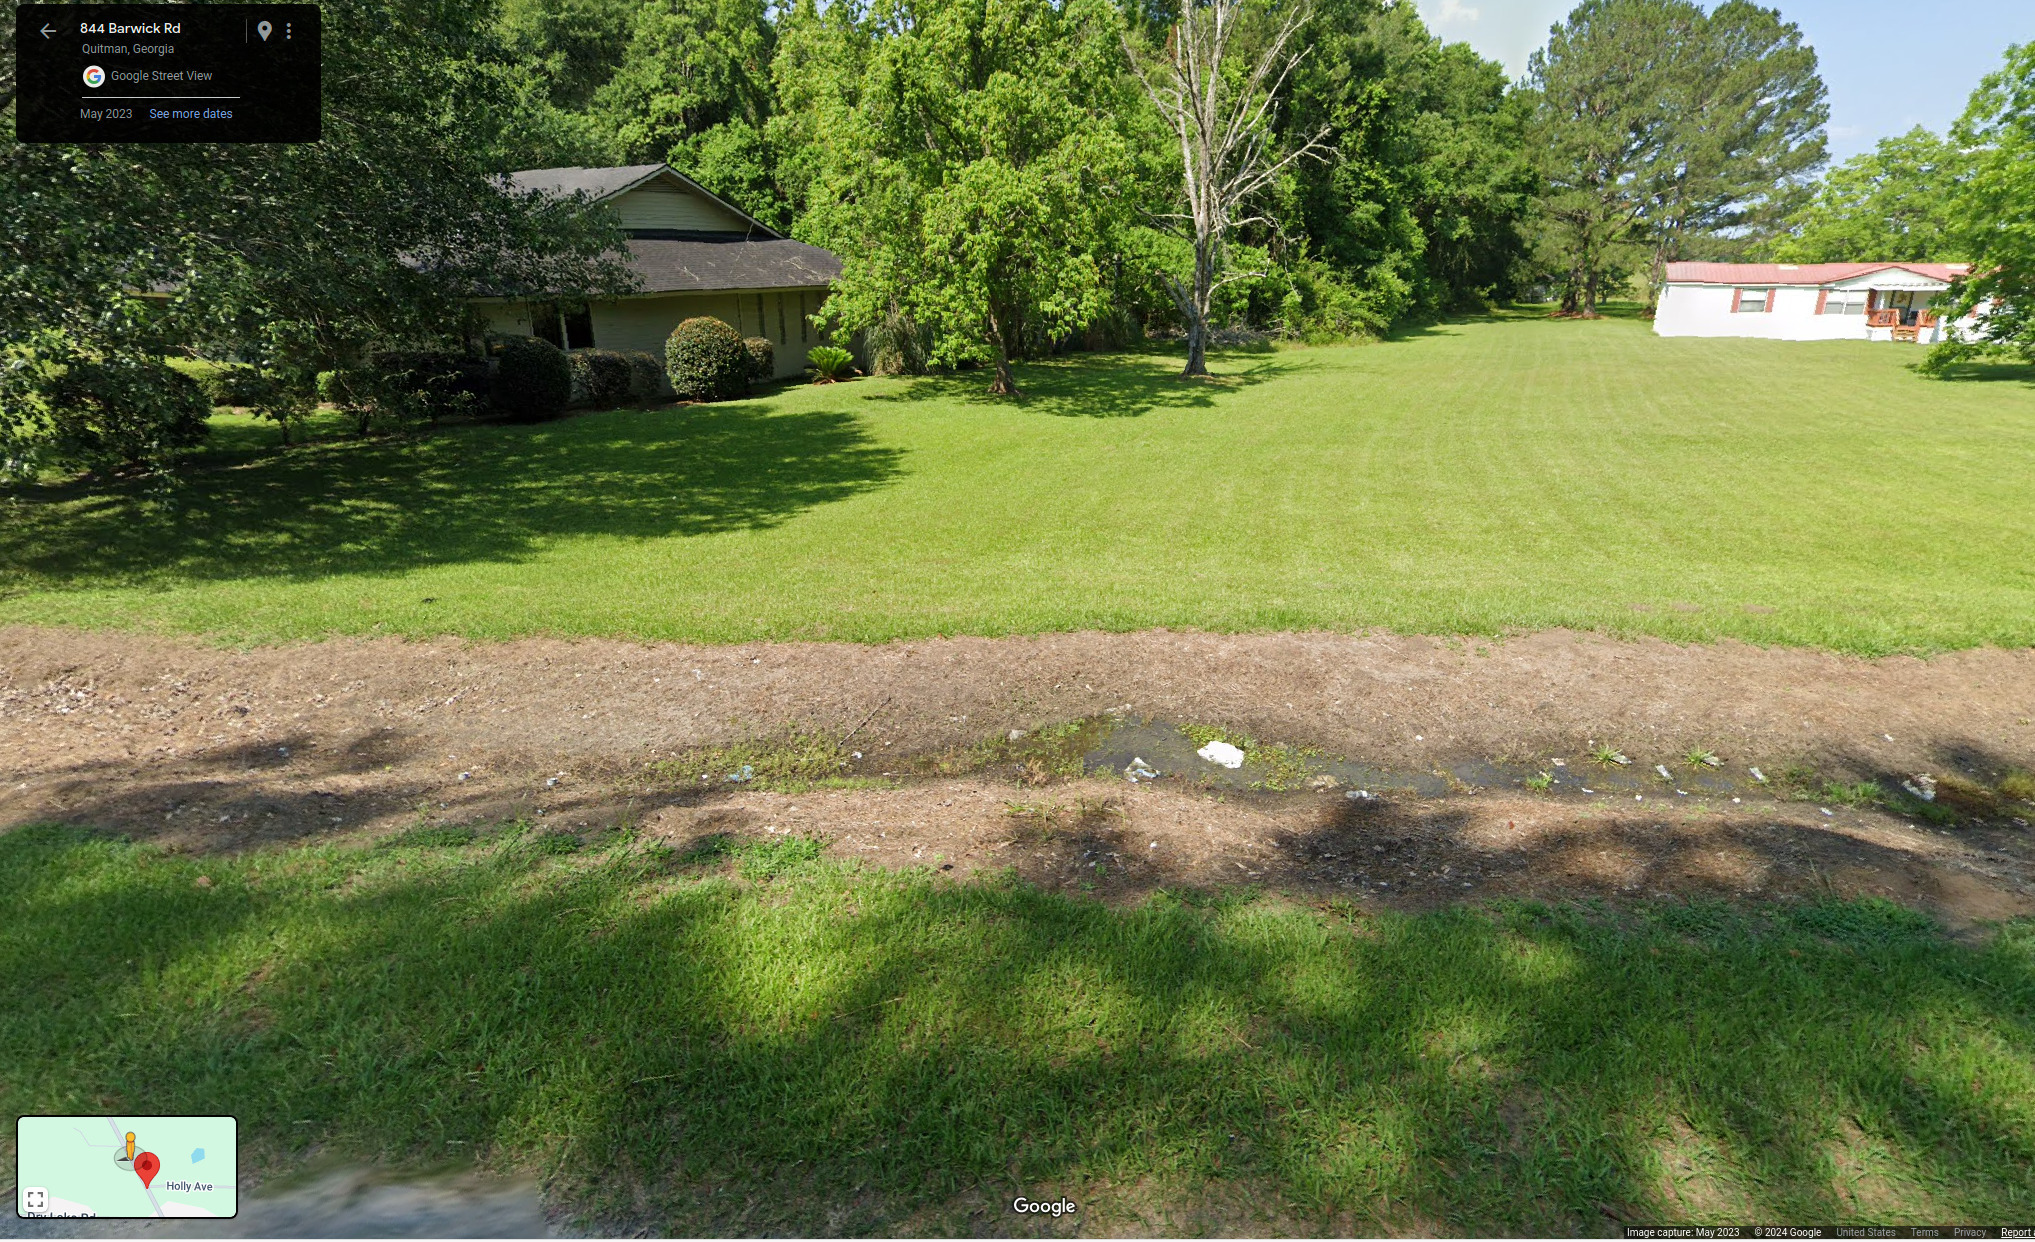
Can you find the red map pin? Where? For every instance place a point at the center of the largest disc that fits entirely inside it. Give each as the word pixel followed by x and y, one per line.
pixel 146 1165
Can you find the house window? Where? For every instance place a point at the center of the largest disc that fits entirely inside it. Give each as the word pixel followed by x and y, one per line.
pixel 579 327
pixel 1753 300
pixel 1844 302
pixel 568 326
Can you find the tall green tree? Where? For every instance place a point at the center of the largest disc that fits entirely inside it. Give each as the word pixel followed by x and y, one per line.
pixel 967 166
pixel 1420 204
pixel 1895 203
pixel 689 68
pixel 1747 109
pixel 1662 129
pixel 1605 122
pixel 1994 214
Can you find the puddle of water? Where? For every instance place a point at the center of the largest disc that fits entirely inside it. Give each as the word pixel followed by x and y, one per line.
pixel 349 1202
pixel 1171 754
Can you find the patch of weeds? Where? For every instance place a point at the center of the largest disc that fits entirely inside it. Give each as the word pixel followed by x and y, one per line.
pixel 711 848
pixel 1540 782
pixel 1802 784
pixel 1700 757
pixel 1040 756
pixel 1281 768
pixel 793 760
pixel 1860 923
pixel 1967 797
pixel 1705 920
pixel 556 842
pixel 1609 755
pixel 1202 735
pixel 431 836
pixel 1271 767
pixel 1795 782
pixel 1852 794
pixel 2018 785
pixel 762 860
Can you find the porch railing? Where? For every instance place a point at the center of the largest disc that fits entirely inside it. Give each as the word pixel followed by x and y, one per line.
pixel 1882 319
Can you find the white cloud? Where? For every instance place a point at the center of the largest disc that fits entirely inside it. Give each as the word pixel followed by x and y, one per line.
pixel 1504 30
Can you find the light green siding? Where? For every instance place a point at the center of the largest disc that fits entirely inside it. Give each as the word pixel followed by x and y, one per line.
pixel 644 323
pixel 661 205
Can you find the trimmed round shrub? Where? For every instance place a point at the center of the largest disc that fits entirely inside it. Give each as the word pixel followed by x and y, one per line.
pixel 646 377
pixel 762 357
pixel 600 377
pixel 532 379
pixel 125 413
pixel 706 361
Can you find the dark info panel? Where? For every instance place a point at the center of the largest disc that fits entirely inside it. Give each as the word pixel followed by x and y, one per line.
pixel 167 72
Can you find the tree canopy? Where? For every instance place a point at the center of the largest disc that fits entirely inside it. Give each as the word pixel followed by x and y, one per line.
pixel 1993 213
pixel 1664 131
pixel 1895 203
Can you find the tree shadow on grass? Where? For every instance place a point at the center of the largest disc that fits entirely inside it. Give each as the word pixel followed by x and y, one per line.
pixel 827 1051
pixel 477 493
pixel 1989 372
pixel 1106 386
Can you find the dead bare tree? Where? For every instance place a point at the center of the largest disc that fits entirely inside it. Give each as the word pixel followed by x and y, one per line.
pixel 1228 151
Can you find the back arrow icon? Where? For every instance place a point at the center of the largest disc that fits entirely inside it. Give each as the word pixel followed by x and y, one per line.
pixel 45 30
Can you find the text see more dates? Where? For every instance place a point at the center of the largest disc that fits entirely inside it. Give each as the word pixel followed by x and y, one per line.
pixel 168 72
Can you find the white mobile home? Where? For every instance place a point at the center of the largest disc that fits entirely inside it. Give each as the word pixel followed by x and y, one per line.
pixel 1806 301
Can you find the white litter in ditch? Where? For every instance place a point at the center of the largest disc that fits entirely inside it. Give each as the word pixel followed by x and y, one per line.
pixel 1222 753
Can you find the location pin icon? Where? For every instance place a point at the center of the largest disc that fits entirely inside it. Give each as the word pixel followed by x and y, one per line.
pixel 145 1166
pixel 262 29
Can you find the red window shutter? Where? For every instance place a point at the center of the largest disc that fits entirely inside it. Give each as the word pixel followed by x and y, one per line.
pixel 1772 296
pixel 1822 296
pixel 1736 296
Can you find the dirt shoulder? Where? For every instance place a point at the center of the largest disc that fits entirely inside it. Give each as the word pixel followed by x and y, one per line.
pixel 208 748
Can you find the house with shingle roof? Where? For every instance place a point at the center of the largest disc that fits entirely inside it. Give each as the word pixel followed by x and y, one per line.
pixel 1807 301
pixel 693 253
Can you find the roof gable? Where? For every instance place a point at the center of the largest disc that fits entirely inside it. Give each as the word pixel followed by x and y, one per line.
pixel 645 190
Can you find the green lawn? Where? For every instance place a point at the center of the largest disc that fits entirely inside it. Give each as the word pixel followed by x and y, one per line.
pixel 1491 475
pixel 774 1043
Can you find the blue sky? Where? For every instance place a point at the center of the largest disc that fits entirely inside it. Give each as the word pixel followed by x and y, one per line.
pixel 1889 65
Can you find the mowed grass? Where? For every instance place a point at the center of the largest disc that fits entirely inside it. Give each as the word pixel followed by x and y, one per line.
pixel 1495 475
pixel 772 1042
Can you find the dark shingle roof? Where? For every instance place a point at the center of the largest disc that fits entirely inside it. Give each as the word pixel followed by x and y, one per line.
pixel 595 183
pixel 704 262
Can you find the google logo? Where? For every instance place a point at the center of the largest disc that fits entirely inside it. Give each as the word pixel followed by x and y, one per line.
pixel 94 76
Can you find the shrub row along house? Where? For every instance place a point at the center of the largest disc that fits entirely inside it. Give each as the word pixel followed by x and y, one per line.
pixel 693 254
pixel 1808 301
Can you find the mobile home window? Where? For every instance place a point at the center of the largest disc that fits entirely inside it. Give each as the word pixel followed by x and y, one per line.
pixel 1845 302
pixel 1753 299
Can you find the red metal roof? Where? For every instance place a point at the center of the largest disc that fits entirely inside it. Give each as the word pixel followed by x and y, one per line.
pixel 1800 274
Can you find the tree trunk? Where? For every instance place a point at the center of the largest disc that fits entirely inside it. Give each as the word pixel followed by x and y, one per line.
pixel 1197 319
pixel 1590 297
pixel 1000 334
pixel 1005 383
